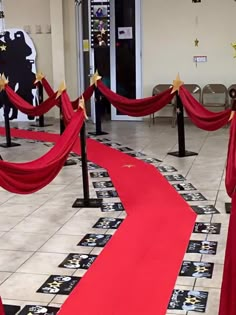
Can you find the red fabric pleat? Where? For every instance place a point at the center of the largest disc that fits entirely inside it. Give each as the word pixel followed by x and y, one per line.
pixel 230 177
pixel 228 288
pixel 28 108
pixel 200 116
pixel 133 107
pixel 25 178
pixel 87 93
pixel 49 90
pixel 2 312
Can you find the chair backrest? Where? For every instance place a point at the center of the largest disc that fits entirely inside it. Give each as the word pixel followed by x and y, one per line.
pixel 195 90
pixel 232 86
pixel 160 88
pixel 215 95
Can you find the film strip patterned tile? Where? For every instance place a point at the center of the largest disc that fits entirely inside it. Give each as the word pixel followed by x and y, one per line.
pixel 187 295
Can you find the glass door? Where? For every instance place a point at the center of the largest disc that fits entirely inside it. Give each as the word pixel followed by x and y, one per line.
pixel 109 33
pixel 125 52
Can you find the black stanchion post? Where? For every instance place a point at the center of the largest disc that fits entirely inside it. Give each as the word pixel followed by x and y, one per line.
pixel 98 114
pixel 181 131
pixel 86 202
pixel 68 162
pixel 6 110
pixel 40 98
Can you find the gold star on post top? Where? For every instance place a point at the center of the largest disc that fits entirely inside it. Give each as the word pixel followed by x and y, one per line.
pixel 62 88
pixel 3 82
pixel 3 47
pixel 177 83
pixel 196 42
pixel 234 47
pixel 39 76
pixel 95 78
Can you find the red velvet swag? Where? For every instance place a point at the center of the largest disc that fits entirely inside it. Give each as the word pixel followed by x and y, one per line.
pixel 200 116
pixel 28 108
pixel 228 288
pixel 26 178
pixel 230 177
pixel 133 107
pixel 87 93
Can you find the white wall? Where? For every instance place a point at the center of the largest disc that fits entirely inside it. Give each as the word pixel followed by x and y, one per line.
pixel 169 31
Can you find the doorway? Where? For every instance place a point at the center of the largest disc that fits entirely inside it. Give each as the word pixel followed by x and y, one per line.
pixel 117 56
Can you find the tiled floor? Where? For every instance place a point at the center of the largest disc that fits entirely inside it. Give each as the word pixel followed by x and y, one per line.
pixel 38 231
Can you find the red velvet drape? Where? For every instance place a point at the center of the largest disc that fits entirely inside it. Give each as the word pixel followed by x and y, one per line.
pixel 230 178
pixel 49 90
pixel 26 107
pixel 26 178
pixel 133 107
pixel 2 312
pixel 228 288
pixel 200 116
pixel 87 93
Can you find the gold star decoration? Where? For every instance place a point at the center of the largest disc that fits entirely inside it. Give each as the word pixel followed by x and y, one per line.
pixel 95 78
pixel 201 269
pixel 54 284
pixel 82 105
pixel 177 83
pixel 232 115
pixel 196 42
pixel 38 77
pixel 234 47
pixel 3 47
pixel 128 166
pixel 103 31
pixel 192 300
pixel 61 88
pixel 3 82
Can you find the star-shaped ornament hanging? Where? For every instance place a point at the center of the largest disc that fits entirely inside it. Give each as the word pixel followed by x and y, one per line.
pixel 177 83
pixel 62 88
pixel 196 42
pixel 39 77
pixel 234 47
pixel 82 105
pixel 3 82
pixel 3 47
pixel 95 78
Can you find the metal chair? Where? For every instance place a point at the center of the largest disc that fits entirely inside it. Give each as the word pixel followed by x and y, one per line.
pixel 215 95
pixel 230 98
pixel 156 90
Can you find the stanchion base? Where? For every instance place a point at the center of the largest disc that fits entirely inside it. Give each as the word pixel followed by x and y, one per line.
pixel 90 203
pixel 228 206
pixel 38 126
pixel 101 133
pixel 13 144
pixel 70 162
pixel 186 154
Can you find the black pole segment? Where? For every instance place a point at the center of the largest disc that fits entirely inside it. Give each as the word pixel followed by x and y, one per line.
pixel 98 115
pixel 181 131
pixel 41 118
pixel 228 206
pixel 6 110
pixel 68 162
pixel 86 202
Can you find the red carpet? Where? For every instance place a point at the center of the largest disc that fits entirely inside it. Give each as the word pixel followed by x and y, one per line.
pixel 136 272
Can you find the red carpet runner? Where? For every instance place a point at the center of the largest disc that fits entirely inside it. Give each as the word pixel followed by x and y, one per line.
pixel 136 272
